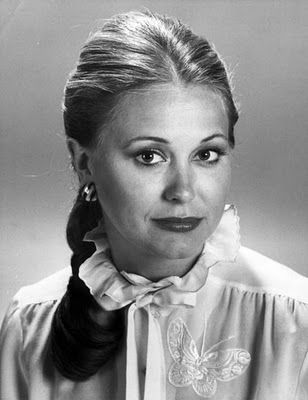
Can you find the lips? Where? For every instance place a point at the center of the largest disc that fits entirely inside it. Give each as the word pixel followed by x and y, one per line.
pixel 177 224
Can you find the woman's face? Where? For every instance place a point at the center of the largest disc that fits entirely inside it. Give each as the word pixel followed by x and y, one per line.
pixel 166 155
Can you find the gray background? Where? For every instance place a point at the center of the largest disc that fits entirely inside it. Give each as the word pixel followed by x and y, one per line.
pixel 266 45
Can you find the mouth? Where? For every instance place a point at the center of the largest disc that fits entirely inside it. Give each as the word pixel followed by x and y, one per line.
pixel 177 224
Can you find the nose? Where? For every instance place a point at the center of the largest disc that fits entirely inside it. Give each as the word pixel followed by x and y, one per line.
pixel 180 187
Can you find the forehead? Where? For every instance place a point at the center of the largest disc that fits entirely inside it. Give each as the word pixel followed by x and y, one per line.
pixel 169 111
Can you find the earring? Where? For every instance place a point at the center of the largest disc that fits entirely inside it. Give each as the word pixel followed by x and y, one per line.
pixel 89 192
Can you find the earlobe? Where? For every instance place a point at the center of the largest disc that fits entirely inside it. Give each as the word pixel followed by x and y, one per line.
pixel 80 157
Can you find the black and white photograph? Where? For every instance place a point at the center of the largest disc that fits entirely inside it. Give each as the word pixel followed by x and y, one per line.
pixel 154 186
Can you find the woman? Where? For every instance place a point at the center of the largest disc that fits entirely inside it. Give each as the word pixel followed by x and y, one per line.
pixel 162 301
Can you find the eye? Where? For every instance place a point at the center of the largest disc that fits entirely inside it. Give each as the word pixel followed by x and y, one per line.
pixel 149 157
pixel 210 156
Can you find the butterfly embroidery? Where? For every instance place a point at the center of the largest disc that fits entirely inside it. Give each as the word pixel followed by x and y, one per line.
pixel 202 371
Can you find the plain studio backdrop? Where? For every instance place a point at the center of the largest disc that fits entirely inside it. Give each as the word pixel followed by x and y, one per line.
pixel 266 45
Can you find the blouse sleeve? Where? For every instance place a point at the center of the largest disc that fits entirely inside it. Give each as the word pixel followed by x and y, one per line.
pixel 302 389
pixel 13 385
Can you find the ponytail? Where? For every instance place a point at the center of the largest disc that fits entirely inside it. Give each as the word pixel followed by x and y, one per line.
pixel 79 345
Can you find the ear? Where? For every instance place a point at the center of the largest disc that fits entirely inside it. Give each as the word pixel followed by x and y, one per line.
pixel 80 160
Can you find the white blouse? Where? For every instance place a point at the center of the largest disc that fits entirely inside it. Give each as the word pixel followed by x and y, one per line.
pixel 234 327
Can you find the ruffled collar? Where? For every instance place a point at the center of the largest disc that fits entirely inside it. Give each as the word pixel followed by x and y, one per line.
pixel 115 289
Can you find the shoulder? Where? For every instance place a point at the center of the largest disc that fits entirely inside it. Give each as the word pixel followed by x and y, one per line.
pixel 26 326
pixel 253 271
pixel 32 308
pixel 48 289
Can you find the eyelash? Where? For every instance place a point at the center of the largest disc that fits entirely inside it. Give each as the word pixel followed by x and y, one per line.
pixel 219 152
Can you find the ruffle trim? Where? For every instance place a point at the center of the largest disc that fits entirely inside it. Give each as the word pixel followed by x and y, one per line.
pixel 113 289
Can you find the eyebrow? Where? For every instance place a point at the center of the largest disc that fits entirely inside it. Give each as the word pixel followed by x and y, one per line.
pixel 162 140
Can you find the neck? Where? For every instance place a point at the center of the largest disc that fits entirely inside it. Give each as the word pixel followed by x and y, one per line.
pixel 152 267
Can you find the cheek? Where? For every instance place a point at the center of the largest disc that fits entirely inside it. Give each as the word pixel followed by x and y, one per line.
pixel 124 195
pixel 214 191
pixel 225 182
pixel 216 185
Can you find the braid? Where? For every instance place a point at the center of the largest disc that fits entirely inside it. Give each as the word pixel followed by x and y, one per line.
pixel 79 345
